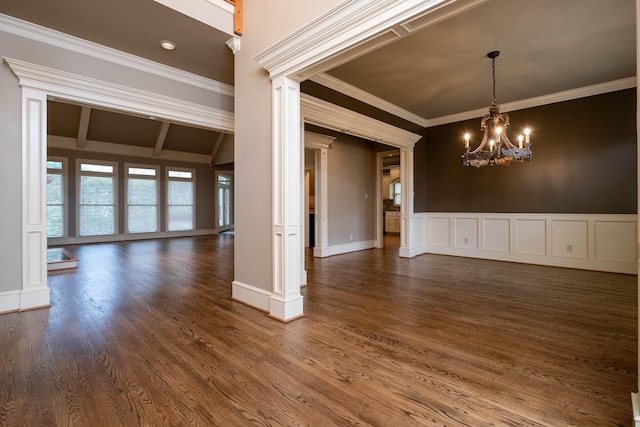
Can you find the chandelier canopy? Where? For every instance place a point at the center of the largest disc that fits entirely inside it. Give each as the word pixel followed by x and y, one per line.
pixel 495 147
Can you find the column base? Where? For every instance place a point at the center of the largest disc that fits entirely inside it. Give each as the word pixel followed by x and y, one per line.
pixel 286 309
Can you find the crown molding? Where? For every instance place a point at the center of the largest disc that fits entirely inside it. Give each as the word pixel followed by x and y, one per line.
pixel 330 116
pixel 317 140
pixel 538 101
pixel 352 28
pixel 90 91
pixel 359 94
pixel 51 37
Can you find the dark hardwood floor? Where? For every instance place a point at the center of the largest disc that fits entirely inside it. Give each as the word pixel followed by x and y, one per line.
pixel 145 334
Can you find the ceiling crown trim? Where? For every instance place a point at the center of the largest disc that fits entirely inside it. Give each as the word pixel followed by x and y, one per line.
pixel 330 116
pixel 85 90
pixel 51 37
pixel 346 31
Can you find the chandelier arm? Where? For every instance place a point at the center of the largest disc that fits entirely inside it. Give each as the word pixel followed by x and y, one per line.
pixel 484 141
pixel 507 142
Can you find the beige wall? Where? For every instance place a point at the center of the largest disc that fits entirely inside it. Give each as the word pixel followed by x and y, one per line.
pixel 10 176
pixel 265 23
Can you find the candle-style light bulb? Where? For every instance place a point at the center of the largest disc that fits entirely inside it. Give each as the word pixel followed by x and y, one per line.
pixel 520 138
pixel 491 145
pixel 466 140
pixel 498 132
pixel 527 132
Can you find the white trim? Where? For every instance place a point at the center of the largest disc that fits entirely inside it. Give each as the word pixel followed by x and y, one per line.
pixel 317 141
pixel 113 96
pixel 250 295
pixel 41 34
pixel 130 237
pixel 9 301
pixel 601 242
pixel 359 94
pixel 635 405
pixel 126 150
pixel 343 249
pixel 214 13
pixel 325 114
pixel 566 95
pixel 351 28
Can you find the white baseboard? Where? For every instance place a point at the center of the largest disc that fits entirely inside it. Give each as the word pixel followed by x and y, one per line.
pixel 343 249
pixel 24 300
pixel 635 404
pixel 251 296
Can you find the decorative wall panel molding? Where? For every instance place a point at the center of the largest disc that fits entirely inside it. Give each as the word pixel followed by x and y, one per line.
pixel 590 242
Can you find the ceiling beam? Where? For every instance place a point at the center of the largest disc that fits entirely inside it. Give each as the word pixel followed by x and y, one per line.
pixel 162 136
pixel 83 127
pixel 216 147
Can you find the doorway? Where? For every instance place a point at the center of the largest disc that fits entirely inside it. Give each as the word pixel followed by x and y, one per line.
pixel 224 200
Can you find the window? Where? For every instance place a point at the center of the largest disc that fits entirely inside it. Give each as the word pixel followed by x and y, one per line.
pixel 180 197
pixel 395 191
pixel 56 196
pixel 96 197
pixel 142 198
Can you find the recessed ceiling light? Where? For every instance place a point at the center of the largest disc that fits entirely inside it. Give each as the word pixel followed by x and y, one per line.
pixel 168 45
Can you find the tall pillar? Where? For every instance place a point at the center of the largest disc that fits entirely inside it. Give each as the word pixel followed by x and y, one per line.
pixel 35 290
pixel 286 301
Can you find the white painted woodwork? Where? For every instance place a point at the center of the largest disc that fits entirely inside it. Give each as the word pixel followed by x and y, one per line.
pixel 320 144
pixel 286 301
pixel 50 37
pixel 35 290
pixel 85 90
pixel 83 127
pixel 217 14
pixel 216 147
pixel 591 242
pixel 162 136
pixel 127 150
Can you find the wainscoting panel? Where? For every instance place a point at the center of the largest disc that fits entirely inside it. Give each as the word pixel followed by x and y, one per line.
pixel 616 241
pixel 466 233
pixel 591 242
pixel 531 236
pixel 569 239
pixel 439 233
pixel 497 234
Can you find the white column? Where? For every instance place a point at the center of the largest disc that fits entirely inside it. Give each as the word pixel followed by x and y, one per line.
pixel 35 290
pixel 286 301
pixel 407 239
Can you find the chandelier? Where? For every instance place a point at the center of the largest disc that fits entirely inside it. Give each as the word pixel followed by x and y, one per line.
pixel 495 147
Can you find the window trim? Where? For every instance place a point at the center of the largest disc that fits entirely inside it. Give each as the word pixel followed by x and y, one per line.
pixel 155 178
pixel 169 169
pixel 65 193
pixel 79 175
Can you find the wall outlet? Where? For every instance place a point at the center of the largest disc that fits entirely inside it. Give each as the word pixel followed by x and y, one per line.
pixel 350 236
pixel 466 240
pixel 569 248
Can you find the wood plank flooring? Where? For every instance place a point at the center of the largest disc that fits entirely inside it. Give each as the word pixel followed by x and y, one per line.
pixel 145 334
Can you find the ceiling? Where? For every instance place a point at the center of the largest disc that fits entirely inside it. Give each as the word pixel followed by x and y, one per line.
pixel 547 46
